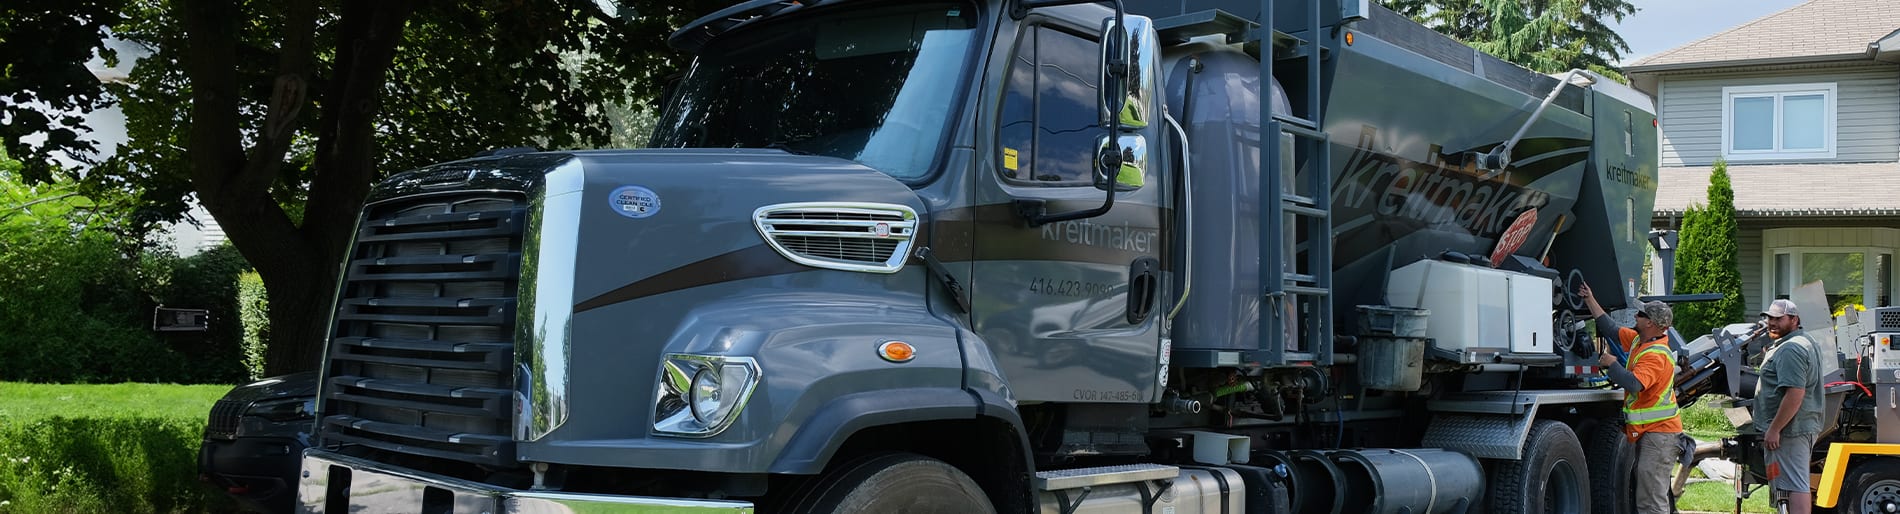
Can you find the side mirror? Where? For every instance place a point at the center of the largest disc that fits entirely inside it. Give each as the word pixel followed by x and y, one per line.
pixel 1124 161
pixel 1133 90
pixel 1115 58
pixel 1130 81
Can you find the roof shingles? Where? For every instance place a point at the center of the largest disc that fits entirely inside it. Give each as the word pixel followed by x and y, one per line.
pixel 1861 189
pixel 1811 29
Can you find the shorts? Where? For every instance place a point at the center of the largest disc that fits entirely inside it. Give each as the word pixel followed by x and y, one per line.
pixel 1788 466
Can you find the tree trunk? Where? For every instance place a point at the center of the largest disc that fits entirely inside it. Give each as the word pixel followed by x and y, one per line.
pixel 299 264
pixel 300 310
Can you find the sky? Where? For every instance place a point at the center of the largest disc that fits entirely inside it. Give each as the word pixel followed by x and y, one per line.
pixel 1660 25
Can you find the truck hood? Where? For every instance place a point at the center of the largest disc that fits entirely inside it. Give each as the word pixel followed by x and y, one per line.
pixel 653 221
pixel 643 222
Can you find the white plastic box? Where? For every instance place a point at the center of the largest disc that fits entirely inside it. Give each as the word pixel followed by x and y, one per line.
pixel 1476 307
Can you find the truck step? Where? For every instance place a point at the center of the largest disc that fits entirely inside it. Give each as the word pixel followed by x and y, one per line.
pixel 1299 200
pixel 1305 290
pixel 1304 211
pixel 1088 477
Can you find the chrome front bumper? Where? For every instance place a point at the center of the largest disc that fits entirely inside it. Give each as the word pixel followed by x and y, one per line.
pixel 337 484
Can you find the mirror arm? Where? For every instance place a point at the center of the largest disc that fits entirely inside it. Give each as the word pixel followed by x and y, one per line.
pixel 1035 211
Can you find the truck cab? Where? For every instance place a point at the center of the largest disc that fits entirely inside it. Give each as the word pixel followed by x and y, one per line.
pixel 1007 256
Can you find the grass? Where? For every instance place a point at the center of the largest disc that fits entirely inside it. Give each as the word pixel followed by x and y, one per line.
pixel 1705 422
pixel 28 402
pixel 104 448
pixel 1720 497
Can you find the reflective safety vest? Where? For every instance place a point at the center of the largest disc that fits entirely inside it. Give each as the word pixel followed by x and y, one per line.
pixel 1665 406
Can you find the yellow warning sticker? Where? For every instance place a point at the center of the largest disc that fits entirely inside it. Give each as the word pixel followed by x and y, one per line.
pixel 1009 159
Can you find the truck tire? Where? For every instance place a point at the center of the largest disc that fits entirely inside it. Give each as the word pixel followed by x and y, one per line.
pixel 1872 486
pixel 893 482
pixel 1612 463
pixel 1552 477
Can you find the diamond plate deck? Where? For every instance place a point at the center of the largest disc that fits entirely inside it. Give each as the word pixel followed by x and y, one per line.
pixel 1490 437
pixel 1082 477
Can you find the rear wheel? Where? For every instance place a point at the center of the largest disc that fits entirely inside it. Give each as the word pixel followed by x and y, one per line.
pixel 1612 463
pixel 895 483
pixel 1872 486
pixel 1552 477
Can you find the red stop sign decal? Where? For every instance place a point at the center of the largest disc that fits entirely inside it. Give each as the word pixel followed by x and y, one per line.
pixel 1513 237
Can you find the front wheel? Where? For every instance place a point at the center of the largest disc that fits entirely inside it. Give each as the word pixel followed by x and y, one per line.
pixel 1552 477
pixel 1871 487
pixel 894 483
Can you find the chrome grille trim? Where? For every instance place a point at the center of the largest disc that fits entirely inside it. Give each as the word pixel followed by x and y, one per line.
pixel 864 237
pixel 542 338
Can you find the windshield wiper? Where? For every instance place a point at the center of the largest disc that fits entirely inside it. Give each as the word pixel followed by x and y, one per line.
pixel 782 146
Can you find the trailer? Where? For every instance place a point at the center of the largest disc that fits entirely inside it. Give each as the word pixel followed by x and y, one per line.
pixel 1012 256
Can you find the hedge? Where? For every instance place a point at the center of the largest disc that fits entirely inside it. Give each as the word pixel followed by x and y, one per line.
pixel 254 314
pixel 87 465
pixel 1706 261
pixel 79 310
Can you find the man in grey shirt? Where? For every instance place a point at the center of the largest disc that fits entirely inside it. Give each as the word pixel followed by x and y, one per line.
pixel 1788 404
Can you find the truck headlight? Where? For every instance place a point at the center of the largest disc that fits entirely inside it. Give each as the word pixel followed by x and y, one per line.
pixel 699 395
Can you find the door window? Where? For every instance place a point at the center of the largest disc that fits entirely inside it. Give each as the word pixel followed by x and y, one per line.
pixel 1050 126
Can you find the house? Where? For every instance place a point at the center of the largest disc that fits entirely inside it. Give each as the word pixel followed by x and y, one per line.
pixel 1804 105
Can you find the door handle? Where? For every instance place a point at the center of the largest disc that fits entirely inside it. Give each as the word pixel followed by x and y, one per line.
pixel 1144 281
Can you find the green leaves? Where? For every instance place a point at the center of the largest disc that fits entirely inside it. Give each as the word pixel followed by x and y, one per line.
pixel 45 45
pixel 277 116
pixel 1549 36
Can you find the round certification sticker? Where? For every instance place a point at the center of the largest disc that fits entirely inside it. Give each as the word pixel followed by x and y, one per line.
pixel 635 201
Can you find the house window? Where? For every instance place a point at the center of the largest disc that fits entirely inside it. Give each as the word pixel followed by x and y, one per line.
pixel 1849 276
pixel 1789 121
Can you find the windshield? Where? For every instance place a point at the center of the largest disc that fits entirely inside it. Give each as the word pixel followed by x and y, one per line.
pixel 874 86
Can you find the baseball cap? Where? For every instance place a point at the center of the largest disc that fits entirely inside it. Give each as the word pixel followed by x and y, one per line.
pixel 1659 313
pixel 1779 308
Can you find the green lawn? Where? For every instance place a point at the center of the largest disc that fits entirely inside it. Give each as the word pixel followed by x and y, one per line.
pixel 1720 497
pixel 104 448
pixel 1705 422
pixel 27 402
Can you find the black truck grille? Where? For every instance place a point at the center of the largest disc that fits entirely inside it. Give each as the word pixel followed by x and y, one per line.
pixel 421 358
pixel 224 418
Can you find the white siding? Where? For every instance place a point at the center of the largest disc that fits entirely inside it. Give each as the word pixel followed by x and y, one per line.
pixel 1867 121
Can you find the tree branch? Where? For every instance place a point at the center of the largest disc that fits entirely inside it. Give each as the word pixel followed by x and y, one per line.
pixel 216 156
pixel 366 48
pixel 22 207
pixel 211 67
pixel 289 94
pixel 10 212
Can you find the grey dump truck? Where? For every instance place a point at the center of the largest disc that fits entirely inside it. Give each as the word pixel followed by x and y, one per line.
pixel 1016 255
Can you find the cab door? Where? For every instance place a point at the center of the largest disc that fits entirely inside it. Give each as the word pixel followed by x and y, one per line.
pixel 1071 309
